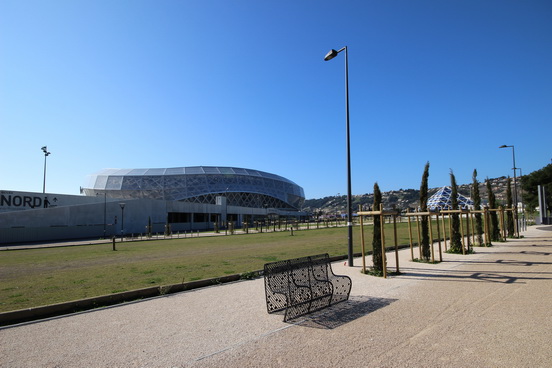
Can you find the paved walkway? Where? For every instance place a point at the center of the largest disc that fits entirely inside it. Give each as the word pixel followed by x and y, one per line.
pixel 489 309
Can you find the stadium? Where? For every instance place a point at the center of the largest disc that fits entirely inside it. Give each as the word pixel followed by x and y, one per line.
pixel 199 184
pixel 133 201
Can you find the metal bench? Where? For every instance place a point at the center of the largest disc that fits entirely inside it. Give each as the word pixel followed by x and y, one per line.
pixel 303 285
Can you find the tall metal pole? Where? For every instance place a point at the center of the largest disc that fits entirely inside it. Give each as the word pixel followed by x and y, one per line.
pixel 46 154
pixel 522 221
pixel 515 191
pixel 349 195
pixel 515 184
pixel 330 55
pixel 44 182
pixel 515 177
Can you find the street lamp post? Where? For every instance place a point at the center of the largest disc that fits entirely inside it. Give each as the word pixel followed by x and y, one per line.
pixel 122 219
pixel 523 221
pixel 226 211
pixel 515 184
pixel 46 154
pixel 330 55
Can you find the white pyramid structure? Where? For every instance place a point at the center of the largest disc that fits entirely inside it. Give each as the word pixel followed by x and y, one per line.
pixel 442 200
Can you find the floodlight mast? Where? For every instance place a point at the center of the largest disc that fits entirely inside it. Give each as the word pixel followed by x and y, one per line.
pixel 329 56
pixel 46 154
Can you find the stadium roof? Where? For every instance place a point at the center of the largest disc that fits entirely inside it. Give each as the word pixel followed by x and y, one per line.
pixel 199 184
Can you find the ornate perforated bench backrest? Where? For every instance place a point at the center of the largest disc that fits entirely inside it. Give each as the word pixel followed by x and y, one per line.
pixel 303 285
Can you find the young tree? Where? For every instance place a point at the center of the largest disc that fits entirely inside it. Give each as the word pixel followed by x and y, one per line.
pixel 509 215
pixel 455 237
pixel 494 228
pixel 426 251
pixel 477 207
pixel 377 256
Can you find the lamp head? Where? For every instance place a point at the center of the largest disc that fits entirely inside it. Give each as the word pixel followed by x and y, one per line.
pixel 330 55
pixel 503 146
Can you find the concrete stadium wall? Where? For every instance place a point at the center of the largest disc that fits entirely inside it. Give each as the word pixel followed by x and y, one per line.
pixel 71 219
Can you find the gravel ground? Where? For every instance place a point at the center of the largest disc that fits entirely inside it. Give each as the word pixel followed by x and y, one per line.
pixel 489 309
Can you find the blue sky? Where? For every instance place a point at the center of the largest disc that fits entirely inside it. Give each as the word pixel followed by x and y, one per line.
pixel 137 84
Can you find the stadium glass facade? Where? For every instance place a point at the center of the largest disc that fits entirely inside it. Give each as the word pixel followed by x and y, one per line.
pixel 199 184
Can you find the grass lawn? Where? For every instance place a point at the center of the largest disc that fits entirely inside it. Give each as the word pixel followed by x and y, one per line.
pixel 36 277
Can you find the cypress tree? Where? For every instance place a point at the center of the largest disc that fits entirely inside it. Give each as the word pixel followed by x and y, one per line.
pixel 494 228
pixel 509 214
pixel 377 256
pixel 477 207
pixel 455 237
pixel 426 251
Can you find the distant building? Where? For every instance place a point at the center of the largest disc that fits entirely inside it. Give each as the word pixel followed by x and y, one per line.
pixel 126 201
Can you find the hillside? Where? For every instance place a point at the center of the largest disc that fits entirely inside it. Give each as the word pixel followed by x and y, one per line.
pixel 400 199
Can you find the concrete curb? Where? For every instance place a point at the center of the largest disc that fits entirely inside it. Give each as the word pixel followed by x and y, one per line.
pixel 54 310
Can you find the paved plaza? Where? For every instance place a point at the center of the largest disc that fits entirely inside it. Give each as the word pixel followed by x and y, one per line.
pixel 488 309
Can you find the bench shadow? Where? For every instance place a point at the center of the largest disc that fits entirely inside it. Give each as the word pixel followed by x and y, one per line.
pixel 344 312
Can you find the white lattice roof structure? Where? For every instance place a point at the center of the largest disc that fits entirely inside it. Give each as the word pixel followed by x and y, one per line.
pixel 442 200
